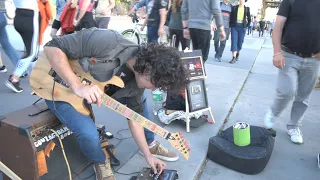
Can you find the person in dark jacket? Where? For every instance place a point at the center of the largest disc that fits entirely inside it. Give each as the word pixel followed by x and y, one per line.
pixel 239 21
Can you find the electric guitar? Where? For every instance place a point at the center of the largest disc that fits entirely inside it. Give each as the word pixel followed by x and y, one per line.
pixel 46 83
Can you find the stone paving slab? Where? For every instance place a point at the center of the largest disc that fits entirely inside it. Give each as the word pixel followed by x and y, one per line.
pixel 288 160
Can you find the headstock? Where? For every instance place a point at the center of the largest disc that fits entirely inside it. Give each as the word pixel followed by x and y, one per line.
pixel 177 140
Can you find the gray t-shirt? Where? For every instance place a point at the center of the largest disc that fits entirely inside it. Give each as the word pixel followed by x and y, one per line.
pixel 108 48
pixel 102 52
pixel 199 13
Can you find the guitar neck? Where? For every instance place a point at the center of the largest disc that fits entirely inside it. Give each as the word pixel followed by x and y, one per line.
pixel 130 114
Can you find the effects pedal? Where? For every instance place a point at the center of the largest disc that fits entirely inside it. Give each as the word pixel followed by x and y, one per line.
pixel 147 174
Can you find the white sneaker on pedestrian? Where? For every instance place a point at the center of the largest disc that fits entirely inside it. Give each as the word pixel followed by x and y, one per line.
pixel 269 120
pixel 295 136
pixel 3 69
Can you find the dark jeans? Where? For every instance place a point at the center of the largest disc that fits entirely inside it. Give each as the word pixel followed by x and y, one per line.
pixel 153 32
pixel 201 40
pixel 85 129
pixel 237 37
pixel 261 32
pixel 220 45
pixel 249 30
pixel 271 30
pixel 179 38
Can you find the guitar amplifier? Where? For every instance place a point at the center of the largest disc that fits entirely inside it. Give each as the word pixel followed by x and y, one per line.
pixel 32 151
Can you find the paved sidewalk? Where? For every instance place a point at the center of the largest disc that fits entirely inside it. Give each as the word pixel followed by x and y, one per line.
pixel 241 91
pixel 288 161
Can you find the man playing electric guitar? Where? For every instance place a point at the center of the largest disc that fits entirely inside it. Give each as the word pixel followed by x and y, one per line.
pixel 104 53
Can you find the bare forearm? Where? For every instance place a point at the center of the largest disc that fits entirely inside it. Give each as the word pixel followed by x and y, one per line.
pixel 74 3
pixel 60 63
pixel 145 21
pixel 163 15
pixel 111 6
pixel 138 135
pixel 81 14
pixel 83 9
pixel 276 37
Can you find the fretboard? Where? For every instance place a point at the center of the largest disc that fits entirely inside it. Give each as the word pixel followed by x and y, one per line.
pixel 130 114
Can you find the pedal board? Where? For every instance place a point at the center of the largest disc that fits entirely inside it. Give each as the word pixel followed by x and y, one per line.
pixel 147 174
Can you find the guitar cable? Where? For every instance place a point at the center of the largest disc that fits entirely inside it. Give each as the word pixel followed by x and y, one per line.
pixel 57 135
pixel 63 152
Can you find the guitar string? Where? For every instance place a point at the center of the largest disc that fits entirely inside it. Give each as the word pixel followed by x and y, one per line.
pixel 145 122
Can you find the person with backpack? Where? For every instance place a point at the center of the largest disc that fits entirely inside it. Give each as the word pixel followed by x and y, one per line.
pixel 296 53
pixel 219 44
pixel 156 17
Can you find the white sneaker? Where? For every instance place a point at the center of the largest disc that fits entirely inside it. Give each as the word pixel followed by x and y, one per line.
pixel 295 136
pixel 168 118
pixel 269 120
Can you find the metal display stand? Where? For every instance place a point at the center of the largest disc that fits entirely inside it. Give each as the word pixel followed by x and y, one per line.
pixel 198 76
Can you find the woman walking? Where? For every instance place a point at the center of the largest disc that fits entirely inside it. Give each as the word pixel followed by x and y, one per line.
pixel 5 44
pixel 240 19
pixel 26 23
pixel 175 26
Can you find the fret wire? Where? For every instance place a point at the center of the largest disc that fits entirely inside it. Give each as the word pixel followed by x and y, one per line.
pixel 130 114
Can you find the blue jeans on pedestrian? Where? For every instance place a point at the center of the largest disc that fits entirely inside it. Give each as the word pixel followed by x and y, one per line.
pixel 153 32
pixel 85 129
pixel 237 37
pixel 5 43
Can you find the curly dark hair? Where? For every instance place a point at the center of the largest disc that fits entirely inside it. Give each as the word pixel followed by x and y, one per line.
pixel 163 64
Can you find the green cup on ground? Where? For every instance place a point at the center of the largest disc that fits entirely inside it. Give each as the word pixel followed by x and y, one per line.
pixel 241 134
